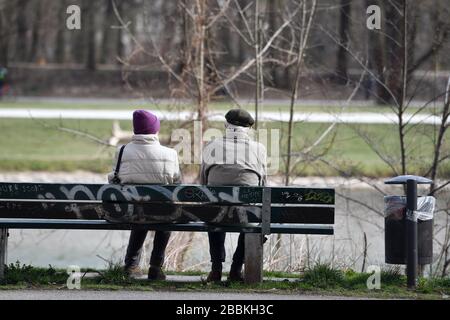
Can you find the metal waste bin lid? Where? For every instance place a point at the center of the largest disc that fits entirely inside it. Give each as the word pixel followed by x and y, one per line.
pixel 403 179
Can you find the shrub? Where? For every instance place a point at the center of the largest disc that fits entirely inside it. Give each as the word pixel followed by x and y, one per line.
pixel 355 280
pixel 16 273
pixel 322 276
pixel 434 284
pixel 392 276
pixel 114 274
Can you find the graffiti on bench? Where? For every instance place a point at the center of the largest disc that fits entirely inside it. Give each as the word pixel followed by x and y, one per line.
pixel 129 203
pixel 311 195
pixel 152 203
pixel 181 193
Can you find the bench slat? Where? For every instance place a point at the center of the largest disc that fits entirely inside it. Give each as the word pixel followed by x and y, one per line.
pixel 192 227
pixel 164 212
pixel 180 193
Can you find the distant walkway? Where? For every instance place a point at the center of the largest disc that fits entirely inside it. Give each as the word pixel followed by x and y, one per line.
pixel 242 101
pixel 313 117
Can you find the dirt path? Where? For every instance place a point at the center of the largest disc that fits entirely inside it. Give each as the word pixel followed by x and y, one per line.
pixel 153 295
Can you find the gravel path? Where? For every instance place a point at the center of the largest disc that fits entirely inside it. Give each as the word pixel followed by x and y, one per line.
pixel 152 295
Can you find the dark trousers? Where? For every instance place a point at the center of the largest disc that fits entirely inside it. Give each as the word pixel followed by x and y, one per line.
pixel 217 249
pixel 134 250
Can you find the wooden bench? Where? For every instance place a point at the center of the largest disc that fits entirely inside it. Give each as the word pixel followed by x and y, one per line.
pixel 256 211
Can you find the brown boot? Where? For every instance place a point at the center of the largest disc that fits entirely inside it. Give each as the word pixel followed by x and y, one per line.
pixel 132 271
pixel 156 273
pixel 214 276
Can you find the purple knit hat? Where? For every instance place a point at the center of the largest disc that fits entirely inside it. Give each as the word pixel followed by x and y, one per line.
pixel 145 122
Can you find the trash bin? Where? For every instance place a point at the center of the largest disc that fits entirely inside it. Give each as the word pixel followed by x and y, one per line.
pixel 395 229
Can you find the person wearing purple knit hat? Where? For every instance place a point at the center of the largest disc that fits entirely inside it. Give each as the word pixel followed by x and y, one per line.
pixel 145 122
pixel 144 160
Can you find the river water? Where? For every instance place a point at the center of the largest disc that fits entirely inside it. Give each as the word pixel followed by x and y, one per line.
pixel 358 238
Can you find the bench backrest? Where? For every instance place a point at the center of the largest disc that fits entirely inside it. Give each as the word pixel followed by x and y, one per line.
pixel 167 203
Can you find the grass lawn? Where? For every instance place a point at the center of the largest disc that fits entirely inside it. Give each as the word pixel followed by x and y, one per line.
pixel 319 280
pixel 38 145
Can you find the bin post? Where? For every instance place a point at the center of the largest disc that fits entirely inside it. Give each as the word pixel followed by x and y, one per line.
pixel 3 251
pixel 411 234
pixel 411 226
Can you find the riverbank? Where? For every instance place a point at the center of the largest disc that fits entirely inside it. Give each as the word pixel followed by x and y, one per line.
pixel 80 176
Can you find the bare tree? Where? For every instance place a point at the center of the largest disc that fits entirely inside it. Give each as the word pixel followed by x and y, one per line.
pixel 404 159
pixel 306 22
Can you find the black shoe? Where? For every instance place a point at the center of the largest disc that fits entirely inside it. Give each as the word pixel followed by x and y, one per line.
pixel 156 274
pixel 214 276
pixel 235 276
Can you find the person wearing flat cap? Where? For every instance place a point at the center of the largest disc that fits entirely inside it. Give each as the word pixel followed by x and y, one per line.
pixel 232 160
pixel 144 160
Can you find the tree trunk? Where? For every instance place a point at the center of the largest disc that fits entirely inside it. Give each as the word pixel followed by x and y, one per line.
pixel 394 49
pixel 21 39
pixel 4 36
pixel 377 63
pixel 60 48
pixel 344 30
pixel 36 33
pixel 200 49
pixel 107 32
pixel 259 76
pixel 119 43
pixel 228 43
pixel 242 46
pixel 273 22
pixel 78 46
pixel 89 26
